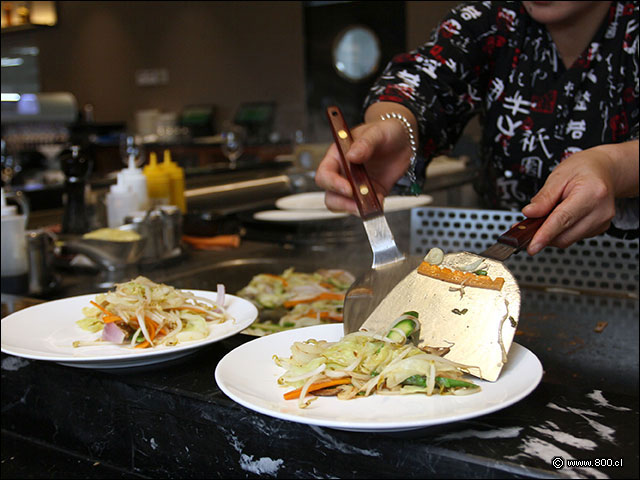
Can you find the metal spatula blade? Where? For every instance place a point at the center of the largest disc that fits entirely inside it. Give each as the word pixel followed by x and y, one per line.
pixel 476 324
pixel 389 265
pixel 383 245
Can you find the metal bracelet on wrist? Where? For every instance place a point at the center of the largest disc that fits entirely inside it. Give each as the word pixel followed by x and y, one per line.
pixel 411 173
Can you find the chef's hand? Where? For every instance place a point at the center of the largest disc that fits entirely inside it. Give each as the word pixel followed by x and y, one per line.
pixel 579 194
pixel 381 145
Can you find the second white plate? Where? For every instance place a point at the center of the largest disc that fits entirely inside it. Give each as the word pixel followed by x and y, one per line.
pixel 297 215
pixel 315 201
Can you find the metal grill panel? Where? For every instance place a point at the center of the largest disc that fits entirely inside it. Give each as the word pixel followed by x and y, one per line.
pixel 601 264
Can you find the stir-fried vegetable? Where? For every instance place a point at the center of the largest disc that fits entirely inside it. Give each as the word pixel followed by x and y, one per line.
pixel 145 314
pixel 361 364
pixel 301 299
pixel 470 279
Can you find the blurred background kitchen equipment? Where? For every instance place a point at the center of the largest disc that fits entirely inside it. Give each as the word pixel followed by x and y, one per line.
pixel 147 123
pixel 233 140
pixel 35 128
pixel 15 262
pixel 43 107
pixel 162 227
pixel 77 168
pixel 41 248
pixel 117 260
pixel 199 120
pixel 167 127
pixel 257 120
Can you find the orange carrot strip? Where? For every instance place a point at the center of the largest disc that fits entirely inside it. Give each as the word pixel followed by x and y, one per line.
pixel 104 310
pixel 151 327
pixel 213 243
pixel 322 296
pixel 108 316
pixel 277 277
pixel 324 315
pixel 456 276
pixel 317 386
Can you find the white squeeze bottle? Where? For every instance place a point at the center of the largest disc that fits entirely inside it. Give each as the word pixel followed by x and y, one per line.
pixel 15 262
pixel 133 179
pixel 121 201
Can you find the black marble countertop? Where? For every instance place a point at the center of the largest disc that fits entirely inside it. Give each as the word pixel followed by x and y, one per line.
pixel 172 420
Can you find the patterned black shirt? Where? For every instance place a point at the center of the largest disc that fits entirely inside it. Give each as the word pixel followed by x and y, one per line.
pixel 492 59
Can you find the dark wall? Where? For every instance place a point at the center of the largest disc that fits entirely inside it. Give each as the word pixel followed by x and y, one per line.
pixel 220 53
pixel 422 17
pixel 325 86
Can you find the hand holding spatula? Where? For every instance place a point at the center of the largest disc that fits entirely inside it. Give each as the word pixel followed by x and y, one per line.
pixel 475 321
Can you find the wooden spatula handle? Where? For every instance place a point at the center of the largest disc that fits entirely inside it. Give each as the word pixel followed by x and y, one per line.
pixel 363 192
pixel 521 234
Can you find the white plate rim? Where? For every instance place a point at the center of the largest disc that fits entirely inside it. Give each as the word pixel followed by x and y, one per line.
pixel 309 201
pixel 114 356
pixel 522 357
pixel 302 201
pixel 299 215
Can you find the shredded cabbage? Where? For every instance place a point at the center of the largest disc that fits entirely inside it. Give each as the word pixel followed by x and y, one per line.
pixel 151 314
pixel 374 364
pixel 294 294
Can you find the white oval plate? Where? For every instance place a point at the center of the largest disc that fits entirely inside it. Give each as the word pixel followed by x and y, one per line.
pixel 47 331
pixel 248 375
pixel 297 215
pixel 315 201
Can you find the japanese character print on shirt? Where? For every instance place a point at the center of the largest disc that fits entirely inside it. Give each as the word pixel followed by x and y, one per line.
pixel 492 59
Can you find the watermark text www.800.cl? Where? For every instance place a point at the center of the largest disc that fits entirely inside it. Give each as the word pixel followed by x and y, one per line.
pixel 560 462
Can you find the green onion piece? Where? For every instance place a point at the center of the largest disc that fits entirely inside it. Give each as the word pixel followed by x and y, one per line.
pixel 408 325
pixel 451 383
pixel 418 380
pixel 421 381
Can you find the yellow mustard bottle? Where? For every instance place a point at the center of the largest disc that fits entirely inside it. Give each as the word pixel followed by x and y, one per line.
pixel 158 183
pixel 176 182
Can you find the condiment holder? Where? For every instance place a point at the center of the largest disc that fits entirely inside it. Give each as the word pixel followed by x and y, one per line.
pixel 117 260
pixel 162 226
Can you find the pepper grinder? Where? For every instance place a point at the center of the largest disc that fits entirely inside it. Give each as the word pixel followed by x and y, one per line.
pixel 76 168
